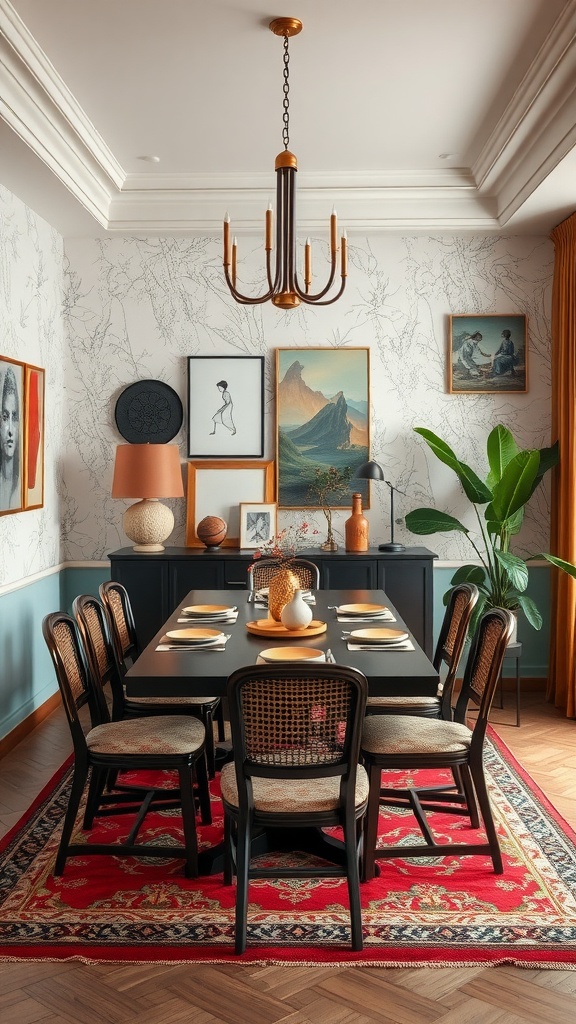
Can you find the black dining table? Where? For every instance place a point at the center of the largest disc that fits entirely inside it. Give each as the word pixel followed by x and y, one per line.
pixel 194 673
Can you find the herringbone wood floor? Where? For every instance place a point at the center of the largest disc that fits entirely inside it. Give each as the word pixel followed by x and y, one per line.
pixel 61 993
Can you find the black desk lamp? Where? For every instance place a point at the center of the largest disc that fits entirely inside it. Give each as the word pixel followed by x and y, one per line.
pixel 373 471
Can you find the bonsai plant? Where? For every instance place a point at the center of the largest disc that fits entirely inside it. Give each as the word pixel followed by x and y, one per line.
pixel 328 485
pixel 513 476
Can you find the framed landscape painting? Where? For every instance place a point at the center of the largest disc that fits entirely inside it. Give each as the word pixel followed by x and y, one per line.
pixel 322 420
pixel 488 354
pixel 12 438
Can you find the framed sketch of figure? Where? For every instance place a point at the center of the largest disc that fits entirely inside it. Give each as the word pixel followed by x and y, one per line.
pixel 225 407
pixel 12 442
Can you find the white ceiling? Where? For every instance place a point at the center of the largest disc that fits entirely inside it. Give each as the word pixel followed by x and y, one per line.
pixel 412 115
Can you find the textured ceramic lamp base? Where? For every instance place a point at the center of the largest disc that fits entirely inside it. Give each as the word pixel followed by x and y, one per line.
pixel 148 523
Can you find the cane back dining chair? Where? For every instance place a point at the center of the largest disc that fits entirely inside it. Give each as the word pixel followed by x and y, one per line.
pixel 103 654
pixel 296 739
pixel 461 602
pixel 401 741
pixel 262 570
pixel 116 601
pixel 167 743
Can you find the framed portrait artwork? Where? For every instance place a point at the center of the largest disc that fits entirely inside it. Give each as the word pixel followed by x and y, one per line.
pixel 322 420
pixel 488 354
pixel 34 434
pixel 219 488
pixel 12 440
pixel 225 407
pixel 257 523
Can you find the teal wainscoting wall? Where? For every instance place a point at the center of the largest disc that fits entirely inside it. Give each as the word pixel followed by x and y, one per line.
pixel 534 661
pixel 27 678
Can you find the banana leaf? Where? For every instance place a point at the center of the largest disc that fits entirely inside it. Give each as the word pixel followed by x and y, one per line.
pixel 501 449
pixel 515 487
pixel 428 520
pixel 474 489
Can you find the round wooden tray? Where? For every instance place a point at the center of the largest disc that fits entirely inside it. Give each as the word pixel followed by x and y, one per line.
pixel 271 628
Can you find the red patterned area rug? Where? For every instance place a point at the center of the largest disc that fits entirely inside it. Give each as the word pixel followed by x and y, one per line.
pixel 442 911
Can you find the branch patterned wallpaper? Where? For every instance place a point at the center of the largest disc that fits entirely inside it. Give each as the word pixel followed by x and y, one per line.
pixel 99 314
pixel 32 331
pixel 136 308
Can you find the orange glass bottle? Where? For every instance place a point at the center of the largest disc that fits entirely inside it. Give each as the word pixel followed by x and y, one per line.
pixel 356 527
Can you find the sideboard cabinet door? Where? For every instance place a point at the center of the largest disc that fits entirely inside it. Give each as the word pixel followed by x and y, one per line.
pixel 409 585
pixel 147 580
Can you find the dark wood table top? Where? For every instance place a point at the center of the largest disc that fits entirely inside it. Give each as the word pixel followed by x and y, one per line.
pixel 199 673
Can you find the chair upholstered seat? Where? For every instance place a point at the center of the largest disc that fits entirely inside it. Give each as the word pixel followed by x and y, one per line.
pixel 287 796
pixel 403 702
pixel 166 701
pixel 395 734
pixel 172 734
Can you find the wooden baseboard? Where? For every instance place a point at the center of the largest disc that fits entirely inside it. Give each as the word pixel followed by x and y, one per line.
pixel 25 728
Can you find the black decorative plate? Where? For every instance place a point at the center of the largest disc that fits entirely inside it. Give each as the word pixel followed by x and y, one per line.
pixel 148 412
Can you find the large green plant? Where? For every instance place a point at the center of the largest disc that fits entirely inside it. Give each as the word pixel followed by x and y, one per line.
pixel 514 475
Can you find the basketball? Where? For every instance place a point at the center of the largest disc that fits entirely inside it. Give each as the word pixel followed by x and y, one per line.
pixel 211 531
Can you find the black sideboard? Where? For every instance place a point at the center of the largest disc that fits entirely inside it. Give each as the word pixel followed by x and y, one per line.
pixel 157 583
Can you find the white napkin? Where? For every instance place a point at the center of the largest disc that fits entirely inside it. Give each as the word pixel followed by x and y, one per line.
pixel 168 645
pixel 388 617
pixel 317 661
pixel 406 645
pixel 209 619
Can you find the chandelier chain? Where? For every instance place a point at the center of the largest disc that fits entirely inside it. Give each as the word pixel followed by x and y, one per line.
pixel 286 101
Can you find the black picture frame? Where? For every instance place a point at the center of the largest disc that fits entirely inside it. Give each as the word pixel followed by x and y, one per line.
pixel 225 407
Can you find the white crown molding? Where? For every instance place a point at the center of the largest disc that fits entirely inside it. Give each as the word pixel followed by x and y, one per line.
pixel 537 128
pixel 533 135
pixel 41 110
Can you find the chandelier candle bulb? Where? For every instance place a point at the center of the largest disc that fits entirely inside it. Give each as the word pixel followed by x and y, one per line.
pixel 333 232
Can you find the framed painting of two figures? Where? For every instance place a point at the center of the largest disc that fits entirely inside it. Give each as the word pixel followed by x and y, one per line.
pixel 488 354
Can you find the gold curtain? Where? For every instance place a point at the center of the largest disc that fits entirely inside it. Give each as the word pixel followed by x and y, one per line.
pixel 562 660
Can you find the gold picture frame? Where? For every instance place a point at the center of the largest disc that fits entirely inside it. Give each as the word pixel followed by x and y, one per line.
pixel 219 488
pixel 34 437
pixel 488 354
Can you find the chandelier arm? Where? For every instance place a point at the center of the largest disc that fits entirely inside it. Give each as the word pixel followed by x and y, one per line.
pixel 245 299
pixel 317 295
pixel 311 301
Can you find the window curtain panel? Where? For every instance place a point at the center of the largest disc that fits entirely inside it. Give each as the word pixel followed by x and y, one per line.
pixel 562 660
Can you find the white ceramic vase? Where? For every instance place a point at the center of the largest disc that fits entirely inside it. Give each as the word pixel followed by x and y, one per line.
pixel 296 614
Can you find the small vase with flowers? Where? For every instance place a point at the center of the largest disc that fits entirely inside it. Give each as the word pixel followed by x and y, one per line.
pixel 283 583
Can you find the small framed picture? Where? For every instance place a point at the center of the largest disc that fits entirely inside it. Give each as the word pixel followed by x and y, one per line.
pixel 488 354
pixel 257 523
pixel 12 438
pixel 225 407
pixel 34 476
pixel 219 488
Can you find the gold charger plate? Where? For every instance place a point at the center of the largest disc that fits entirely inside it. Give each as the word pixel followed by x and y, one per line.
pixel 292 654
pixel 270 628
pixel 379 635
pixel 193 636
pixel 207 609
pixel 361 609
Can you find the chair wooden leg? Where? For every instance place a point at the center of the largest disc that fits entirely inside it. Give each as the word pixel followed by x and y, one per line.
pixel 470 794
pixel 201 771
pixel 353 879
pixel 242 868
pixel 208 721
pixel 220 722
pixel 486 811
pixel 98 778
pixel 77 788
pixel 189 822
pixel 371 823
pixel 228 852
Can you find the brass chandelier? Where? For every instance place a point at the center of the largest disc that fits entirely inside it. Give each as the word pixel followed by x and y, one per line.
pixel 284 287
